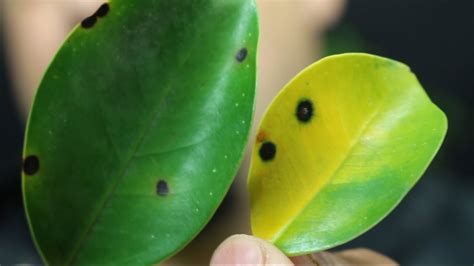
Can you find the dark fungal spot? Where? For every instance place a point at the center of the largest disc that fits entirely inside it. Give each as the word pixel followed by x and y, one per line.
pixel 102 11
pixel 88 22
pixel 241 55
pixel 304 110
pixel 267 151
pixel 162 188
pixel 31 165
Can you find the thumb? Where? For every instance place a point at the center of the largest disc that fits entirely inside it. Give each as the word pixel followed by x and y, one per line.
pixel 248 250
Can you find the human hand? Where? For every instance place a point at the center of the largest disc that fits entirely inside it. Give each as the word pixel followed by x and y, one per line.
pixel 249 250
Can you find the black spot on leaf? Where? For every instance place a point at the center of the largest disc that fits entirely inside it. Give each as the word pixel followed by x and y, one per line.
pixel 241 55
pixel 31 165
pixel 304 110
pixel 102 11
pixel 89 22
pixel 267 151
pixel 162 188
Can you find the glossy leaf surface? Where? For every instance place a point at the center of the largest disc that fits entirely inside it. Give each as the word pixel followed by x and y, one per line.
pixel 138 128
pixel 338 149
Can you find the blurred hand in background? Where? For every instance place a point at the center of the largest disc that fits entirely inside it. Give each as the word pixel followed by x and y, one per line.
pixel 34 30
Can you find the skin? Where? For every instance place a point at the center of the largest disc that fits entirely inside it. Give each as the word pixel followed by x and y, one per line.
pixel 282 22
pixel 29 51
pixel 249 250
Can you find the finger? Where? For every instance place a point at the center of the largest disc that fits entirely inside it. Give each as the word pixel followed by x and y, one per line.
pixel 320 258
pixel 365 256
pixel 358 256
pixel 248 250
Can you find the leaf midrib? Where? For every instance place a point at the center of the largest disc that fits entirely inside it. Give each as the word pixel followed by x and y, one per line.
pixel 153 116
pixel 120 177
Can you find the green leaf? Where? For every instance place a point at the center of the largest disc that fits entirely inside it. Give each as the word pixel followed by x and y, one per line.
pixel 138 128
pixel 338 149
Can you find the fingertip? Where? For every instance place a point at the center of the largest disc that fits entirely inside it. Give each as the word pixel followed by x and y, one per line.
pixel 364 256
pixel 247 250
pixel 358 256
pixel 319 258
pixel 237 249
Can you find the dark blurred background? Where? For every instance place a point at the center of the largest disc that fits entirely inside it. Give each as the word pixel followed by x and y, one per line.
pixel 434 224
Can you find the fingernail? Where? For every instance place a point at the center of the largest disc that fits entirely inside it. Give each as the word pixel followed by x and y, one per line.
pixel 238 250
